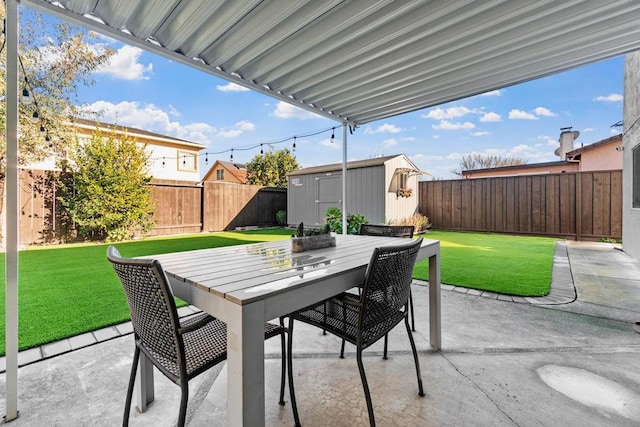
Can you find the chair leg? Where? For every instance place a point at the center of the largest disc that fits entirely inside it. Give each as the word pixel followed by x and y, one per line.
pixel 284 364
pixel 132 380
pixel 386 341
pixel 292 393
pixel 184 397
pixel 365 386
pixel 342 350
pixel 415 357
pixel 413 313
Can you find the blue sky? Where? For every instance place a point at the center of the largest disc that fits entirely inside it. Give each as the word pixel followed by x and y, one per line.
pixel 143 90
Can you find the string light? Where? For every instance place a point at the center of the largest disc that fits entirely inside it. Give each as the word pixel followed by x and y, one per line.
pixel 206 158
pixel 333 135
pixel 261 151
pixel 254 146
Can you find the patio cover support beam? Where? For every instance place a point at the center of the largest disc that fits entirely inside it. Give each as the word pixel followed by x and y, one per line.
pixel 344 178
pixel 11 225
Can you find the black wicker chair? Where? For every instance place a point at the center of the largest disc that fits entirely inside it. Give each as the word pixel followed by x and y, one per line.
pixel 388 231
pixel 363 320
pixel 181 350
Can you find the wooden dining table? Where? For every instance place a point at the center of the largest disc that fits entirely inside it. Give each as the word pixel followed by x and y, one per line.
pixel 247 285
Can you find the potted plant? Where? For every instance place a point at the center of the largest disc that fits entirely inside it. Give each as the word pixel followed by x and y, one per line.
pixel 315 238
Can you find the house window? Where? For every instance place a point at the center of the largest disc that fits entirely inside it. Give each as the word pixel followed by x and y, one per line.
pixel 220 174
pixel 636 177
pixel 187 161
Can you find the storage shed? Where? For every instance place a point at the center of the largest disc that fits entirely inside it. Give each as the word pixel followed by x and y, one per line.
pixel 381 189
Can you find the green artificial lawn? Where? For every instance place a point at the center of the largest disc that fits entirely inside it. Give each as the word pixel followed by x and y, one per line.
pixel 72 289
pixel 505 264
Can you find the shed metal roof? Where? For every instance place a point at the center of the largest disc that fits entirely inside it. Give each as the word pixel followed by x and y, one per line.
pixel 358 61
pixel 335 167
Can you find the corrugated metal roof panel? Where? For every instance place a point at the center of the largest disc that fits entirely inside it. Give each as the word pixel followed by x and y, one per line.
pixel 359 60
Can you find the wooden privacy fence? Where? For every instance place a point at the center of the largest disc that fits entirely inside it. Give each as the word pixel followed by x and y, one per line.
pixel 181 207
pixel 583 205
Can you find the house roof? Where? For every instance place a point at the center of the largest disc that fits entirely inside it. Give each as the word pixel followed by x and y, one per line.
pixel 360 60
pixel 378 161
pixel 612 140
pixel 238 170
pixel 514 167
pixel 92 124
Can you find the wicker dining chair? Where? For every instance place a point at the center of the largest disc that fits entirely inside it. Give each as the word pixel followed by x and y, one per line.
pixel 388 231
pixel 363 320
pixel 180 350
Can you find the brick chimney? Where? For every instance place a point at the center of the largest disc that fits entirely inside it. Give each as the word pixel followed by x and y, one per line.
pixel 567 136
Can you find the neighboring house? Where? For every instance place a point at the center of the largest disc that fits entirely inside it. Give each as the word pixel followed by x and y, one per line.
pixel 381 189
pixel 227 171
pixel 606 154
pixel 169 158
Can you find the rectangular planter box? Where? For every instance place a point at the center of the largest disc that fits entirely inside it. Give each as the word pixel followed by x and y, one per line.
pixel 301 244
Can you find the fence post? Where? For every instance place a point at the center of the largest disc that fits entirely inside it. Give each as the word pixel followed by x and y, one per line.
pixel 578 190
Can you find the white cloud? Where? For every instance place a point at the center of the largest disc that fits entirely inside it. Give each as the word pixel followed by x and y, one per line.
pixel 385 128
pixel 521 115
pixel 436 136
pixel 284 110
pixel 480 133
pixel 391 142
pixel 124 65
pixel 151 118
pixel 446 125
pixel 542 111
pixel 336 145
pixel 232 87
pixel 544 137
pixel 615 132
pixel 552 142
pixel 588 129
pixel 491 117
pixel 492 93
pixel 449 113
pixel 614 97
pixel 237 129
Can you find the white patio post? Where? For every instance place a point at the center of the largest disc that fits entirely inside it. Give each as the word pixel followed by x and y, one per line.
pixel 344 178
pixel 11 224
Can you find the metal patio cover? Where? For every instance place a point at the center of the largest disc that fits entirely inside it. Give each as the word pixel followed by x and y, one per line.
pixel 357 61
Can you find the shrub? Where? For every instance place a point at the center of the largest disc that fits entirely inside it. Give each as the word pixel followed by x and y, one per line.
pixel 333 218
pixel 281 217
pixel 419 222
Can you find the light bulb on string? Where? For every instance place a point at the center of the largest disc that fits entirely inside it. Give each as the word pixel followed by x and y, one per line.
pixel 48 139
pixel 261 150
pixel 163 163
pixel 231 155
pixel 27 99
pixel 36 117
pixel 42 129
pixel 206 158
pixel 333 136
pixel 184 160
pixel 294 143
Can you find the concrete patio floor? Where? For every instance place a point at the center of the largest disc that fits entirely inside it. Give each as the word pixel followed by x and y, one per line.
pixel 502 364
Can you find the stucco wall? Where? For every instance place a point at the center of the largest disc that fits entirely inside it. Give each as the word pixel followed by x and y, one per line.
pixel 631 139
pixel 605 157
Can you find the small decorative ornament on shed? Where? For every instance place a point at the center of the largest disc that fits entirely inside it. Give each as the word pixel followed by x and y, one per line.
pixel 404 192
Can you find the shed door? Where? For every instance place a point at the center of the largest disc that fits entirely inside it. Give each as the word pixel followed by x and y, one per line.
pixel 329 194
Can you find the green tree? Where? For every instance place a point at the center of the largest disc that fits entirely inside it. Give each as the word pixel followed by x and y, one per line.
pixel 58 58
pixel 107 193
pixel 485 161
pixel 271 169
